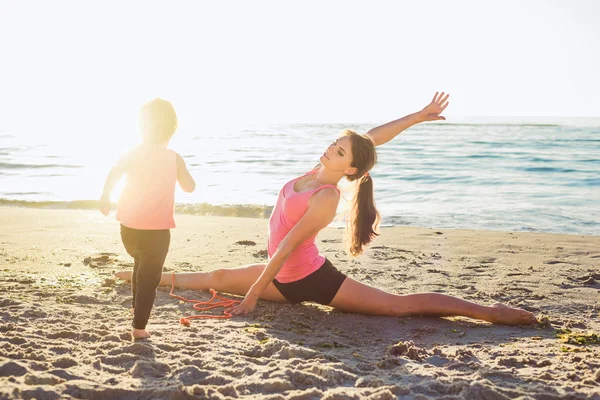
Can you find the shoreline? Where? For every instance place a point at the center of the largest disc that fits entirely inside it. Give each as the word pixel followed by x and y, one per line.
pixel 253 211
pixel 65 321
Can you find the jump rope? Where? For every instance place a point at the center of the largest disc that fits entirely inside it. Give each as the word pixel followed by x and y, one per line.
pixel 204 305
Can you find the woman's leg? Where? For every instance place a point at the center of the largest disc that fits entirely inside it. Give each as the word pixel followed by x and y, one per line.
pixel 357 297
pixel 235 281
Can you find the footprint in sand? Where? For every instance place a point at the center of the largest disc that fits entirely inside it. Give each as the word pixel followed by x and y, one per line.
pixel 8 303
pixel 63 335
pixel 475 268
pixel 142 369
pixel 577 253
pixel 109 282
pixel 100 260
pixel 114 338
pixel 138 349
pixel 89 337
pixel 409 350
pixel 388 254
pixel 356 271
pixel 42 379
pixel 16 340
pixel 462 287
pixel 125 264
pixel 12 368
pixel 184 264
pixel 437 271
pixel 65 362
pixel 246 242
pixel 590 280
pixel 119 360
pixel 553 262
pixel 190 375
pixel 391 249
pixel 82 299
pixel 261 254
pixel 281 348
pixel 170 348
pixel 522 362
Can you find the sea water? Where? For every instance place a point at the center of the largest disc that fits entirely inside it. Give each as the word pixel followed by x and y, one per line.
pixel 516 174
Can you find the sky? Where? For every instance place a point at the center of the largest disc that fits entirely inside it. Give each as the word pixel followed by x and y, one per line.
pixel 72 64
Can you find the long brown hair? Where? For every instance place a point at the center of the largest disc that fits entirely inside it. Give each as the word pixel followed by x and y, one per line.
pixel 363 217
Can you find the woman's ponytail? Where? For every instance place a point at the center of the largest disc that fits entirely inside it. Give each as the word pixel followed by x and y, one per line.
pixel 363 217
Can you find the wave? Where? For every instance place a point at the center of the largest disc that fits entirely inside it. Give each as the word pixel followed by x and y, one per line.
pixel 36 166
pixel 515 124
pixel 226 210
pixel 550 169
pixel 591 182
pixel 482 156
pixel 498 121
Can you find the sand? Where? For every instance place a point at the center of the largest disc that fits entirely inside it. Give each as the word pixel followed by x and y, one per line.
pixel 64 321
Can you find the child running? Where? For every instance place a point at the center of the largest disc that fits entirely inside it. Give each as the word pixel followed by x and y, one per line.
pixel 145 208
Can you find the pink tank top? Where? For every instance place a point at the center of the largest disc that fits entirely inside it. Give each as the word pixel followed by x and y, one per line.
pixel 290 207
pixel 148 197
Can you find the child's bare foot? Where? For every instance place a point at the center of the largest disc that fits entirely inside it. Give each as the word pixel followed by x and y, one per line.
pixel 125 275
pixel 505 315
pixel 138 334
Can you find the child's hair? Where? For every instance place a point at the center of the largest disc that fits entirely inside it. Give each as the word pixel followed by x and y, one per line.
pixel 363 218
pixel 157 121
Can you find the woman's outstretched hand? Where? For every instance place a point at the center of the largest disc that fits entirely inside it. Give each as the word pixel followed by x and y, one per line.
pixel 247 305
pixel 433 110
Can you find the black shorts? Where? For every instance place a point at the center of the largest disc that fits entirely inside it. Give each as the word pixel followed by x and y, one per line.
pixel 321 286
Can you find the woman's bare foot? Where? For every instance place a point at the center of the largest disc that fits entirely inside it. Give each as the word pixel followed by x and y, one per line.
pixel 125 275
pixel 505 315
pixel 138 334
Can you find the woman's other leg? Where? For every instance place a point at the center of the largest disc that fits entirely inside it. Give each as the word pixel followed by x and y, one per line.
pixel 230 280
pixel 354 296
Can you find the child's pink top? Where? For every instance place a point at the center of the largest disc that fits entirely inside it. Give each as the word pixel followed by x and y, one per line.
pixel 290 207
pixel 148 198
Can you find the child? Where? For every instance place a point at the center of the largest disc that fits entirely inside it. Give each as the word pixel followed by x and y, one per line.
pixel 145 208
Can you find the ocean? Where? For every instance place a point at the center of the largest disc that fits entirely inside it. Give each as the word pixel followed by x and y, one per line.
pixel 509 174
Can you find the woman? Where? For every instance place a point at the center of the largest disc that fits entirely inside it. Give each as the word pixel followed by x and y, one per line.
pixel 296 271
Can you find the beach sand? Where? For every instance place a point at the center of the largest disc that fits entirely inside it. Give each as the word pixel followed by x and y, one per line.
pixel 65 322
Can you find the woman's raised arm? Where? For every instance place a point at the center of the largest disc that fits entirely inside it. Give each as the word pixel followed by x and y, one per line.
pixel 386 132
